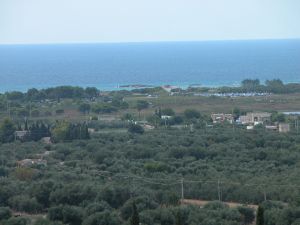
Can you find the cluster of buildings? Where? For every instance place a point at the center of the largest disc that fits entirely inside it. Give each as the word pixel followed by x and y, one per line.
pixel 255 118
pixel 252 119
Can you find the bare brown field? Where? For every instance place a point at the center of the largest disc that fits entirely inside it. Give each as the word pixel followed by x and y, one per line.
pixel 202 203
pixel 208 105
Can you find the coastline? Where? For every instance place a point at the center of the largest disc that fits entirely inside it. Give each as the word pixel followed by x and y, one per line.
pixel 112 87
pixel 127 86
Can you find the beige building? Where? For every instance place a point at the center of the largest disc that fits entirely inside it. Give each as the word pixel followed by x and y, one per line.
pixel 284 127
pixel 255 117
pixel 21 134
pixel 221 117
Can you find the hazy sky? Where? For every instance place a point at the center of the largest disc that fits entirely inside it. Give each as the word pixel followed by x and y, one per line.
pixel 64 21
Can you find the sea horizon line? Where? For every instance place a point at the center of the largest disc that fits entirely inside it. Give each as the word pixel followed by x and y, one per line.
pixel 149 42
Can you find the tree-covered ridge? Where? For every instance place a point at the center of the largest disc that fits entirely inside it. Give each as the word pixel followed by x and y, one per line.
pixel 248 85
pixel 275 86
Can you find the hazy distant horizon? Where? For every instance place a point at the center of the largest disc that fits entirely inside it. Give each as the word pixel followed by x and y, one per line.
pixel 153 42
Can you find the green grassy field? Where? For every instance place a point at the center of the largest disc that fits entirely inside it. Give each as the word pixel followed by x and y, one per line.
pixel 206 105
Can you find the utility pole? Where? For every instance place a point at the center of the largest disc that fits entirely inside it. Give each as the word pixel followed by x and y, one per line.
pixel 192 127
pixel 219 191
pixel 8 109
pixel 297 125
pixel 182 189
pixel 130 187
pixel 80 131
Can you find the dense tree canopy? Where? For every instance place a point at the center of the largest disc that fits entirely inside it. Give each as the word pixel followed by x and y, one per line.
pixel 7 130
pixel 96 181
pixel 111 167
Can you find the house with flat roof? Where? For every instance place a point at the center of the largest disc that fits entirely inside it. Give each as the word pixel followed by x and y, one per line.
pixel 21 134
pixel 166 117
pixel 255 117
pixel 271 127
pixel 284 127
pixel 221 117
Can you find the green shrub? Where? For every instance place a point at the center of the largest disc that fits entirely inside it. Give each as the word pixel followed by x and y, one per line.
pixel 16 221
pixel 135 129
pixel 5 213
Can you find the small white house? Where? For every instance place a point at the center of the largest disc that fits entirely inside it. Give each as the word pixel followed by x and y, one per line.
pixel 257 123
pixel 21 134
pixel 166 117
pixel 271 127
pixel 250 127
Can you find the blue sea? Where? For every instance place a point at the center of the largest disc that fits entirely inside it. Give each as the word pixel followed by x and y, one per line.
pixel 108 66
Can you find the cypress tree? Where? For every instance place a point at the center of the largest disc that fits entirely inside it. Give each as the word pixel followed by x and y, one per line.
pixel 159 112
pixel 178 219
pixel 48 130
pixel 43 130
pixel 260 216
pixel 135 220
pixel 38 134
pixel 26 125
pixel 33 130
pixel 87 134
